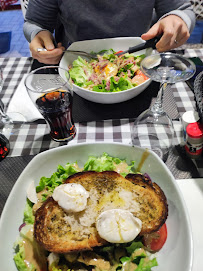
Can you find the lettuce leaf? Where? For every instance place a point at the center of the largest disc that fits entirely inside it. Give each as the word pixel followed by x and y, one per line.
pixel 60 268
pixel 103 163
pixel 133 246
pixel 101 87
pixel 106 163
pixel 146 266
pixel 57 177
pixel 80 71
pixel 19 258
pixel 26 237
pixel 115 86
pixel 107 54
pixel 138 259
pixel 28 213
pixel 139 58
pixel 19 247
pixel 120 85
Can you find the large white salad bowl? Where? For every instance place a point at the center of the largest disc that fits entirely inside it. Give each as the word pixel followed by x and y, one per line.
pixel 177 252
pixel 97 45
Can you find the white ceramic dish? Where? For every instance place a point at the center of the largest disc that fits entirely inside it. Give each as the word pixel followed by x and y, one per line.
pixel 196 214
pixel 177 251
pixel 97 45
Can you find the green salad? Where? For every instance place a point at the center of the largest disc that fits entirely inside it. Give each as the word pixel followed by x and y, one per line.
pixel 108 73
pixel 29 256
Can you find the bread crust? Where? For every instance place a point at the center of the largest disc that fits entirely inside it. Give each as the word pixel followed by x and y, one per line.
pixel 55 238
pixel 54 233
pixel 154 200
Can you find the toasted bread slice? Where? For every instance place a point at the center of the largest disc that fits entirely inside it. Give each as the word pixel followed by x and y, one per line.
pixel 152 201
pixel 62 232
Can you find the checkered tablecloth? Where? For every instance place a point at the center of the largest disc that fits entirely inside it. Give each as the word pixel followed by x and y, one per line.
pixel 34 137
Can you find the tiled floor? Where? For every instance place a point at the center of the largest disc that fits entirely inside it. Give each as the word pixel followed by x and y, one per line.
pixel 12 20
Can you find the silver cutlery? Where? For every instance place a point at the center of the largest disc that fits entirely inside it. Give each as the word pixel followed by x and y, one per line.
pixel 145 45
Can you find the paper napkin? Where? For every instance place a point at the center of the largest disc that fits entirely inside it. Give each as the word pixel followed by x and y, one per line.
pixel 22 103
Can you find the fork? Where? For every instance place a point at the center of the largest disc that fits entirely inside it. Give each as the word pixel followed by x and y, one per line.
pixel 145 45
pixel 89 55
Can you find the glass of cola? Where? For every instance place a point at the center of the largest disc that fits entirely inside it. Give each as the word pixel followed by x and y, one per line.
pixel 50 89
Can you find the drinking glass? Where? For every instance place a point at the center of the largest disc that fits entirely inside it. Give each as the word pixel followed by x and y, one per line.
pixel 4 147
pixel 50 89
pixel 10 122
pixel 153 128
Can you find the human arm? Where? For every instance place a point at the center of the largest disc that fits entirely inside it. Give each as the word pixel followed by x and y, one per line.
pixel 174 33
pixel 44 39
pixel 38 29
pixel 174 26
pixel 40 15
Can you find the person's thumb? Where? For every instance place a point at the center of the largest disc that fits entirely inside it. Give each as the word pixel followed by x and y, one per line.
pixel 48 41
pixel 49 45
pixel 153 32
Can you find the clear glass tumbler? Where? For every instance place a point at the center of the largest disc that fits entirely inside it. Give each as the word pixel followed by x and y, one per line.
pixel 50 89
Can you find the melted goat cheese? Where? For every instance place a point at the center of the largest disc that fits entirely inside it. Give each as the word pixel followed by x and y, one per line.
pixel 71 197
pixel 118 226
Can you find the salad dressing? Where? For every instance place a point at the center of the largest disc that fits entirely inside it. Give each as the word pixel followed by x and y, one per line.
pixel 91 258
pixel 121 167
pixel 30 254
pixel 40 201
pixel 129 266
pixel 143 158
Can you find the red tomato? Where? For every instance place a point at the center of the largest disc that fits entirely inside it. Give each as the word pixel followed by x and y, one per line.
pixel 139 72
pixel 118 52
pixel 155 241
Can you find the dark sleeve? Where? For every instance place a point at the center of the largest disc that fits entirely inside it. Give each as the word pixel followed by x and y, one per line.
pixel 40 15
pixel 181 8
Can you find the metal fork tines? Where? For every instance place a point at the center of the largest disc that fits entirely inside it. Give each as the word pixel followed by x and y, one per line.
pixel 89 55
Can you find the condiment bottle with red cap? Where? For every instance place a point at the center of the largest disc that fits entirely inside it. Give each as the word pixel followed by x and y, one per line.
pixel 194 140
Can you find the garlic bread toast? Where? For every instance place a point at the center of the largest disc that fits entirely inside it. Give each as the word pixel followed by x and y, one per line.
pixel 62 232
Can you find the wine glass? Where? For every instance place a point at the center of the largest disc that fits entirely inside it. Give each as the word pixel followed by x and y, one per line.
pixel 153 128
pixel 10 122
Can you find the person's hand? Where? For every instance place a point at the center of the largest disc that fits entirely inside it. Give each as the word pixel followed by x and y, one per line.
pixel 44 39
pixel 174 33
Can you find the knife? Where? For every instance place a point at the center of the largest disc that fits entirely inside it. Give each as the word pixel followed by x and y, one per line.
pixel 147 44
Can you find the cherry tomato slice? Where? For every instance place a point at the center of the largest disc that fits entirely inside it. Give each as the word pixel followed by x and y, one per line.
pixel 155 241
pixel 119 52
pixel 139 72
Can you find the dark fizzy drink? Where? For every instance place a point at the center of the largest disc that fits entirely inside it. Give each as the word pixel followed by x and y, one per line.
pixel 4 147
pixel 56 107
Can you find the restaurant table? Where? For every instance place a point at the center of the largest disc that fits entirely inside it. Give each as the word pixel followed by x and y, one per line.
pixel 98 122
pixel 94 123
pixel 105 123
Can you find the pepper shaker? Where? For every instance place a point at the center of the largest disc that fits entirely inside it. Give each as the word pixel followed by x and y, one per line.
pixel 194 140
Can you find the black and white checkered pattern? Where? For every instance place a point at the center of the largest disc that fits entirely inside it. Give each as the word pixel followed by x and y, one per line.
pixel 34 137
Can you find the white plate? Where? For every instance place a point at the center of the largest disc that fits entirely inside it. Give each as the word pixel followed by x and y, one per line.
pixel 196 213
pixel 177 252
pixel 97 45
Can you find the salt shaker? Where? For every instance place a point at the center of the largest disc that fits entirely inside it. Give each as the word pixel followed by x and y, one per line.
pixel 187 118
